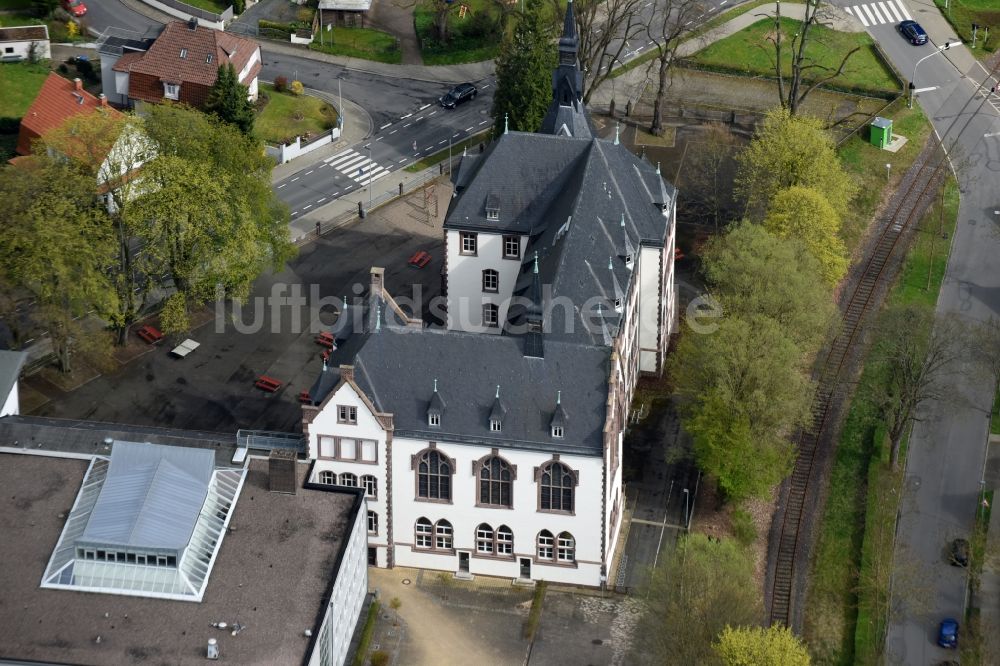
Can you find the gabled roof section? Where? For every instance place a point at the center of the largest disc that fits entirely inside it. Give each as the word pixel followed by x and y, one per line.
pixel 24 33
pixel 204 50
pixel 58 100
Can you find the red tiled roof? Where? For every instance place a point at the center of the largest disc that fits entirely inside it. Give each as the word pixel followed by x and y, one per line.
pixel 24 33
pixel 58 100
pixel 204 50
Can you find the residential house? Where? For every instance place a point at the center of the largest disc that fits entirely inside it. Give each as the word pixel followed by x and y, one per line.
pixel 29 42
pixel 349 13
pixel 493 445
pixel 181 65
pixel 57 101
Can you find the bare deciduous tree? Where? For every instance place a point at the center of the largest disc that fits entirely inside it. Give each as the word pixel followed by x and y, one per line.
pixel 671 21
pixel 708 171
pixel 806 74
pixel 605 29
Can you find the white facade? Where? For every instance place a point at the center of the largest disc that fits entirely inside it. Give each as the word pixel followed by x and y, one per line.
pixel 466 294
pixel 346 600
pixel 399 508
pixel 12 404
pixel 20 49
pixel 251 84
pixel 656 298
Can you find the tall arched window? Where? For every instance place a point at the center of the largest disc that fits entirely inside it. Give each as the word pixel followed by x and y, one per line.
pixel 434 471
pixel 495 482
pixel 423 533
pixel 327 477
pixel 546 543
pixel 484 539
pixel 557 484
pixel 349 480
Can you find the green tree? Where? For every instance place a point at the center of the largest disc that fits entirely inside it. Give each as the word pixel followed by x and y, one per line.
pixel 228 100
pixel 54 245
pixel 754 646
pixel 705 585
pixel 752 272
pixel 524 72
pixel 44 8
pixel 804 213
pixel 790 150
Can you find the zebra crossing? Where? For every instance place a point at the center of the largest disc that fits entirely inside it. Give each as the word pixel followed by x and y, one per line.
pixel 878 13
pixel 357 167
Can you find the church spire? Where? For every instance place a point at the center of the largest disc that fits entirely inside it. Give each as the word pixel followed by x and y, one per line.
pixel 567 115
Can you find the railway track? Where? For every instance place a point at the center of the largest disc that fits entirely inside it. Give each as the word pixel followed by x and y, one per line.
pixel 907 207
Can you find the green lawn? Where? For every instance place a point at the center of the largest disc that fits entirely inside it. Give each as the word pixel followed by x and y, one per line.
pixel 867 164
pixel 845 612
pixel 472 38
pixel 748 52
pixel 286 116
pixel 963 13
pixel 364 43
pixel 442 155
pixel 20 83
pixel 214 6
pixel 995 416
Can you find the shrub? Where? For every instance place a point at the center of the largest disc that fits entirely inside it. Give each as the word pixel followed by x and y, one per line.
pixel 280 84
pixel 743 527
pixel 239 6
pixel 296 87
pixel 380 658
pixel 63 69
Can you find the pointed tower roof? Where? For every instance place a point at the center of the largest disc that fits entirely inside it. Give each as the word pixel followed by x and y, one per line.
pixel 499 409
pixel 567 115
pixel 436 405
pixel 559 417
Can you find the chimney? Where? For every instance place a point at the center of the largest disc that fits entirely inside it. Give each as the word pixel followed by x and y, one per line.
pixel 192 23
pixel 102 100
pixel 347 373
pixel 281 471
pixel 377 280
pixel 77 84
pixel 213 649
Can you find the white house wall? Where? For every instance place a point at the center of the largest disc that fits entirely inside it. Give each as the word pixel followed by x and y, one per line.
pixel 465 280
pixel 346 600
pixel 11 405
pixel 251 84
pixel 22 48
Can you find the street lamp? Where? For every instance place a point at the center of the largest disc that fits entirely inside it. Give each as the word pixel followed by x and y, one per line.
pixel 340 105
pixel 913 88
pixel 687 496
pixel 370 170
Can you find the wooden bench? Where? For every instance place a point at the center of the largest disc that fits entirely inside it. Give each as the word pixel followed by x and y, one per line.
pixel 419 259
pixel 269 384
pixel 149 334
pixel 326 339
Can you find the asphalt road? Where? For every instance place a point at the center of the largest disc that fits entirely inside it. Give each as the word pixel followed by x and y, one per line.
pixel 947 446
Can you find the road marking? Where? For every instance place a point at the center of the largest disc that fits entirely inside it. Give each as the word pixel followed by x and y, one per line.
pixel 432 113
pixel 991 134
pixel 401 160
pixel 484 122
pixel 380 138
pixel 856 14
pixel 335 193
pixel 393 131
pixel 406 116
pixel 902 8
pixel 384 126
pixel 307 207
pixel 293 179
pixel 294 213
pixel 442 141
pixel 469 129
pixel 920 90
pixel 689 22
pixel 407 125
pixel 878 14
pixel 423 107
pixel 723 2
pixel 455 135
pixel 871 17
pixel 330 159
pixel 320 200
pixel 310 171
pixel 895 12
pixel 486 86
pixel 282 185
pixel 322 165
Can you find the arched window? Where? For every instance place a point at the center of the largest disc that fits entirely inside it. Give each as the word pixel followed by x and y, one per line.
pixel 566 548
pixel 495 482
pixel 349 480
pixel 505 541
pixel 491 280
pixel 372 522
pixel 545 545
pixel 370 484
pixel 442 535
pixel 484 538
pixel 327 477
pixel 424 533
pixel 556 486
pixel 434 472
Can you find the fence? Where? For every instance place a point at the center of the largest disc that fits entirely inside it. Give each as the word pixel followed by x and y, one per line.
pixel 263 440
pixel 287 153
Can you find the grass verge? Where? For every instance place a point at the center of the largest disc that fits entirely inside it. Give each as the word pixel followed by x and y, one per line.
pixel 20 83
pixel 472 38
pixel 361 656
pixel 285 116
pixel 846 611
pixel 961 14
pixel 364 43
pixel 995 416
pixel 748 53
pixel 972 643
pixel 441 155
pixel 867 164
pixel 214 6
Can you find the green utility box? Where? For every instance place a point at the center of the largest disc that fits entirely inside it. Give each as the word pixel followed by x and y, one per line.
pixel 881 132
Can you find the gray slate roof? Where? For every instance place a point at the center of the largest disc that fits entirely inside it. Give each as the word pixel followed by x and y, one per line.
pixel 11 363
pixel 151 498
pixel 396 368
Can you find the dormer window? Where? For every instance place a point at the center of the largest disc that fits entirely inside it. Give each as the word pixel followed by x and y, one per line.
pixel 435 408
pixel 434 420
pixel 493 207
pixel 184 54
pixel 171 90
pixel 495 425
pixel 618 305
pixel 557 432
pixel 209 58
pixel 628 259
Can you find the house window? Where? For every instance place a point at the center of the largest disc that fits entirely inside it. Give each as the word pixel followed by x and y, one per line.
pixel 327 478
pixel 442 535
pixel 511 247
pixel 8 49
pixel 496 425
pixel 349 480
pixel 347 414
pixel 327 447
pixel 566 551
pixel 370 484
pixel 491 315
pixel 556 485
pixel 484 539
pixel 184 54
pixel 171 90
pixel 348 449
pixel 495 482
pixel 208 58
pixel 424 533
pixel 491 280
pixel 469 245
pixel 369 451
pixel 372 522
pixel 433 476
pixel 557 432
pixel 505 541
pixel 434 420
pixel 492 214
pixel 545 545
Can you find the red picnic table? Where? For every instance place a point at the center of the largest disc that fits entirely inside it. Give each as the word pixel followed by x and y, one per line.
pixel 269 384
pixel 149 334
pixel 326 339
pixel 419 259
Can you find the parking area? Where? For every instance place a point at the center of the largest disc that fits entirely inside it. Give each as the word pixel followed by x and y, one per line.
pixel 272 334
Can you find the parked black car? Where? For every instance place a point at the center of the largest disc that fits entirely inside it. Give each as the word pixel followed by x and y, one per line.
pixel 913 32
pixel 958 553
pixel 463 92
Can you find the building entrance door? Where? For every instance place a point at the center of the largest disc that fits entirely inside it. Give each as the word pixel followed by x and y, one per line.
pixel 526 568
pixel 463 563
